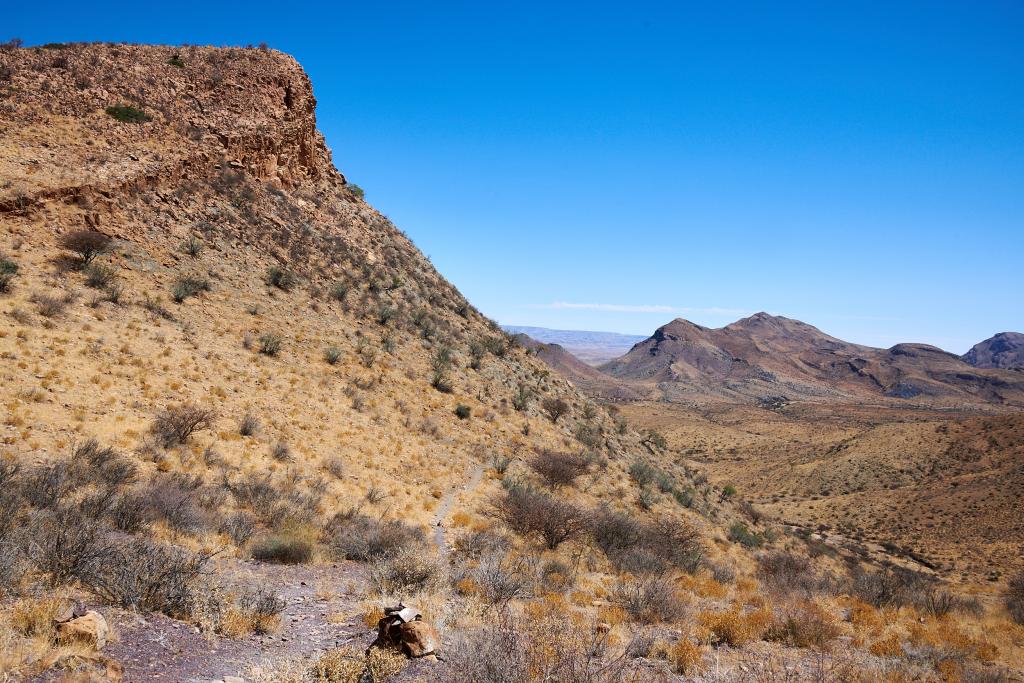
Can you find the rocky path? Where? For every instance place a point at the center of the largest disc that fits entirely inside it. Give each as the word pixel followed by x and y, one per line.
pixel 446 505
pixel 322 612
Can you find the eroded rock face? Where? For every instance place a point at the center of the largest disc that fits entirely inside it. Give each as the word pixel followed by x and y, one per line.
pixel 249 109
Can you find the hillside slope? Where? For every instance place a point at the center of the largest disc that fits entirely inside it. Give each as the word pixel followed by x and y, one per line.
pixel 591 381
pixel 593 348
pixel 767 356
pixel 242 413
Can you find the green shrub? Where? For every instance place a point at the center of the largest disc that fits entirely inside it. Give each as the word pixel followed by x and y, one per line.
pixel 189 286
pixel 684 497
pixel 355 190
pixel 339 290
pixel 282 278
pixel 99 276
pixel 643 473
pixel 367 354
pixel 270 344
pixel 193 246
pixel 8 269
pixel 128 114
pixel 332 355
pixel 176 61
pixel 462 411
pixel 740 533
pixel 442 363
pixel 283 548
pixel 522 397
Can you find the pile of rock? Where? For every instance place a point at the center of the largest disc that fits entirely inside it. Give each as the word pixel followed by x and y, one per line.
pixel 403 629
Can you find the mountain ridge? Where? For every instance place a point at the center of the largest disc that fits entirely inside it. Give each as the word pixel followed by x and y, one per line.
pixel 1002 350
pixel 764 355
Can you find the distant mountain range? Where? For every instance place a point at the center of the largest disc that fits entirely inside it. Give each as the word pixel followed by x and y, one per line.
pixel 772 358
pixel 593 348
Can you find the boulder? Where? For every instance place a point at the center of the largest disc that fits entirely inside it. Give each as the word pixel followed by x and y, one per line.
pixel 403 629
pixel 70 609
pixel 418 638
pixel 90 628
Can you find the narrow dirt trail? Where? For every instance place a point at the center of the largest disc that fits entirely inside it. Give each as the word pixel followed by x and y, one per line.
pixel 445 507
pixel 320 614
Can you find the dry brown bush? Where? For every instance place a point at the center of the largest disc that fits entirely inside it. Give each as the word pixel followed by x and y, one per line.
pixel 530 512
pixel 650 600
pixel 646 547
pixel 546 643
pixel 87 244
pixel 555 408
pixel 175 424
pixel 352 535
pixel 558 468
pixel 786 572
pixel 147 576
pixel 1015 598
pixel 806 625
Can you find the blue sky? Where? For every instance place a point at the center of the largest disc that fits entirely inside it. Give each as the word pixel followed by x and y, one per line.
pixel 610 166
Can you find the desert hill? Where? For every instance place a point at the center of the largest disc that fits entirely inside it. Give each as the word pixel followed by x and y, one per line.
pixel 588 379
pixel 766 356
pixel 1004 350
pixel 242 414
pixel 192 291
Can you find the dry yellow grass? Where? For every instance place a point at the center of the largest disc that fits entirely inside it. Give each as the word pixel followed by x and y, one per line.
pixel 734 626
pixel 685 656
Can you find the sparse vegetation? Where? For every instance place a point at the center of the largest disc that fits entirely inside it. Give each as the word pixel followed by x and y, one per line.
pixel 193 246
pixel 86 244
pixel 189 286
pixel 555 408
pixel 558 468
pixel 8 269
pixel 270 344
pixel 99 276
pixel 126 113
pixel 174 425
pixel 1015 598
pixel 545 537
pixel 332 354
pixel 282 278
